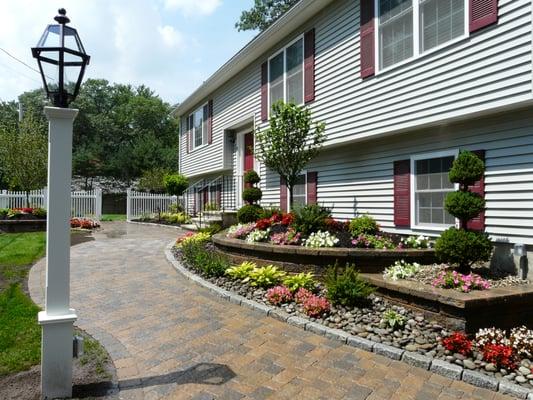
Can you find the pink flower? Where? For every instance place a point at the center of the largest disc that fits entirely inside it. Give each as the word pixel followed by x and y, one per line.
pixel 316 306
pixel 279 295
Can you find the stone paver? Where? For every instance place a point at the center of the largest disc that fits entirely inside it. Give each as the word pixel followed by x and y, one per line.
pixel 171 339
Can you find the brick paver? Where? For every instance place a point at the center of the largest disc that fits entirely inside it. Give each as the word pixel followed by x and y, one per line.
pixel 171 339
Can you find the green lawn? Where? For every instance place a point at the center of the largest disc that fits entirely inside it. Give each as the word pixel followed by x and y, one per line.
pixel 20 335
pixel 113 217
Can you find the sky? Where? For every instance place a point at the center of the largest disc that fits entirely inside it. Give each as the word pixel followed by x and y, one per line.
pixel 171 46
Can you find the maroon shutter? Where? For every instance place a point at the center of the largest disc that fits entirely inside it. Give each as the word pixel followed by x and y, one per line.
pixel 402 193
pixel 478 223
pixel 210 122
pixel 482 13
pixel 264 92
pixel 283 195
pixel 309 66
pixel 312 178
pixel 366 38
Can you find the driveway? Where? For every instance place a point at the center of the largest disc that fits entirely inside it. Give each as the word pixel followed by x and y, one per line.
pixel 171 339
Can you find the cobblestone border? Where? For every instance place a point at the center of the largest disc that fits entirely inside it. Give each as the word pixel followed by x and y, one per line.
pixel 452 371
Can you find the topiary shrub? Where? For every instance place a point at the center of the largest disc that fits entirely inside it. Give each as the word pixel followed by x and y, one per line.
pixel 310 218
pixel 251 177
pixel 252 195
pixel 461 246
pixel 363 225
pixel 249 213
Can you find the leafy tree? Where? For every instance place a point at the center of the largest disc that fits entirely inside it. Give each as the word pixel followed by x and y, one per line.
pixel 291 141
pixel 175 184
pixel 153 180
pixel 263 14
pixel 24 155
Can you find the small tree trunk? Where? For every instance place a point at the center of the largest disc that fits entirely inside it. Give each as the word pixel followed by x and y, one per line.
pixel 27 199
pixel 291 197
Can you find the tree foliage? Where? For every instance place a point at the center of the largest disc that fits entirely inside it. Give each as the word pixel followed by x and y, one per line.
pixel 263 14
pixel 175 184
pixel 24 155
pixel 291 141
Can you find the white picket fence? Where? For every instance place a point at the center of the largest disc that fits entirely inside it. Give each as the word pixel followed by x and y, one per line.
pixel 84 204
pixel 142 204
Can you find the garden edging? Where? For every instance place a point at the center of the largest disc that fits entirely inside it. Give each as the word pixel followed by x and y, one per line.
pixel 154 224
pixel 440 367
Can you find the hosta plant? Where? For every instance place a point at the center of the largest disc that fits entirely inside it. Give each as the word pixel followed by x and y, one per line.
pixel 241 271
pixel 458 342
pixel 415 242
pixel 299 281
pixel 265 276
pixel 521 340
pixel 458 281
pixel 401 270
pixel 199 237
pixel 393 319
pixel 258 236
pixel 240 231
pixel 320 239
pixel 279 295
pixel 316 306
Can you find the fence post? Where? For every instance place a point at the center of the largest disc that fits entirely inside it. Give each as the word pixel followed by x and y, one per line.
pixel 128 205
pixel 98 203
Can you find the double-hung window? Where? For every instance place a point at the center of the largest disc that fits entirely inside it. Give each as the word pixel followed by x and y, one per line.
pixel 409 28
pixel 198 125
pixel 431 185
pixel 299 191
pixel 286 74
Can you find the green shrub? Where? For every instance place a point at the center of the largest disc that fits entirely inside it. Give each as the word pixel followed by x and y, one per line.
pixel 249 213
pixel 363 225
pixel 463 248
pixel 467 168
pixel 252 195
pixel 4 212
pixel 298 281
pixel 175 184
pixel 175 208
pixel 212 229
pixel 265 277
pixel 464 205
pixel 251 177
pixel 206 261
pixel 241 271
pixel 310 218
pixel 39 212
pixel 346 288
pixel 177 218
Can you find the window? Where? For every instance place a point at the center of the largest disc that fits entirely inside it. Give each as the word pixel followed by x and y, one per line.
pixel 299 191
pixel 198 124
pixel 431 185
pixel 286 74
pixel 408 28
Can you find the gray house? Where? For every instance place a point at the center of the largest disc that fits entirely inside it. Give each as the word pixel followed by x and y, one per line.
pixel 402 86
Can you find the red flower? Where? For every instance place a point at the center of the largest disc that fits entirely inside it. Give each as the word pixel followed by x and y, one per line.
pixel 275 218
pixel 25 210
pixel 263 224
pixel 500 355
pixel 287 219
pixel 457 342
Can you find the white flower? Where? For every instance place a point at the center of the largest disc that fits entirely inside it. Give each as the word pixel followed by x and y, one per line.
pixel 401 270
pixel 257 236
pixel 320 239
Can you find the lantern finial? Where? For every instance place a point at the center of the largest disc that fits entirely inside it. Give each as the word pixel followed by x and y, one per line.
pixel 62 17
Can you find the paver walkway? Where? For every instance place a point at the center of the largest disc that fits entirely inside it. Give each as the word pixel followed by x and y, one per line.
pixel 171 339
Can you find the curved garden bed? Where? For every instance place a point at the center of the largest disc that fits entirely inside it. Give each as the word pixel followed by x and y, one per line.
pixel 306 259
pixel 22 225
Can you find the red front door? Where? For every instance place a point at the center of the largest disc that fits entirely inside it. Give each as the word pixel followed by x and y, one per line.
pixel 248 152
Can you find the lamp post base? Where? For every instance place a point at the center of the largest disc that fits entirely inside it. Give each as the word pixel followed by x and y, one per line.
pixel 56 354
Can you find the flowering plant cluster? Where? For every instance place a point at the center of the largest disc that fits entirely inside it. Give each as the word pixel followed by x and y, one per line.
pixel 302 295
pixel 258 236
pixel 193 237
pixel 401 270
pixel 415 242
pixel 501 355
pixel 521 340
pixel 279 295
pixel 488 336
pixel 316 306
pixel 240 231
pixel 12 213
pixel 458 342
pixel 367 241
pixel 181 239
pixel 464 283
pixel 83 223
pixel 320 239
pixel 291 237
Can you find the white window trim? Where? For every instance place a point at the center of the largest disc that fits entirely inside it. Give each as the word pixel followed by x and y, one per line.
pixel 284 51
pixel 204 124
pixel 416 37
pixel 412 187
pixel 304 173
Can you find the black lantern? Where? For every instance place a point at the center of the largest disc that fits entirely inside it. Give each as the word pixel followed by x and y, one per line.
pixel 62 61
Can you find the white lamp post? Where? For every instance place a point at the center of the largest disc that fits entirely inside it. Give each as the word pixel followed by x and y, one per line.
pixel 59 50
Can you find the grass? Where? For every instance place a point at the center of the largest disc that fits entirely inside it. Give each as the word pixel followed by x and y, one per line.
pixel 113 217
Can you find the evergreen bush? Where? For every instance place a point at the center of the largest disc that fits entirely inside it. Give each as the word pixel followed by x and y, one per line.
pixel 251 177
pixel 252 195
pixel 310 218
pixel 249 213
pixel 363 225
pixel 461 246
pixel 347 288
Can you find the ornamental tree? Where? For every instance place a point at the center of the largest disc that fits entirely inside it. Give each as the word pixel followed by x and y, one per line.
pixel 291 141
pixel 175 184
pixel 464 247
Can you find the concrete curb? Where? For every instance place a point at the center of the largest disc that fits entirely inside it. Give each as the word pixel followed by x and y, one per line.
pixel 440 367
pixel 154 224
